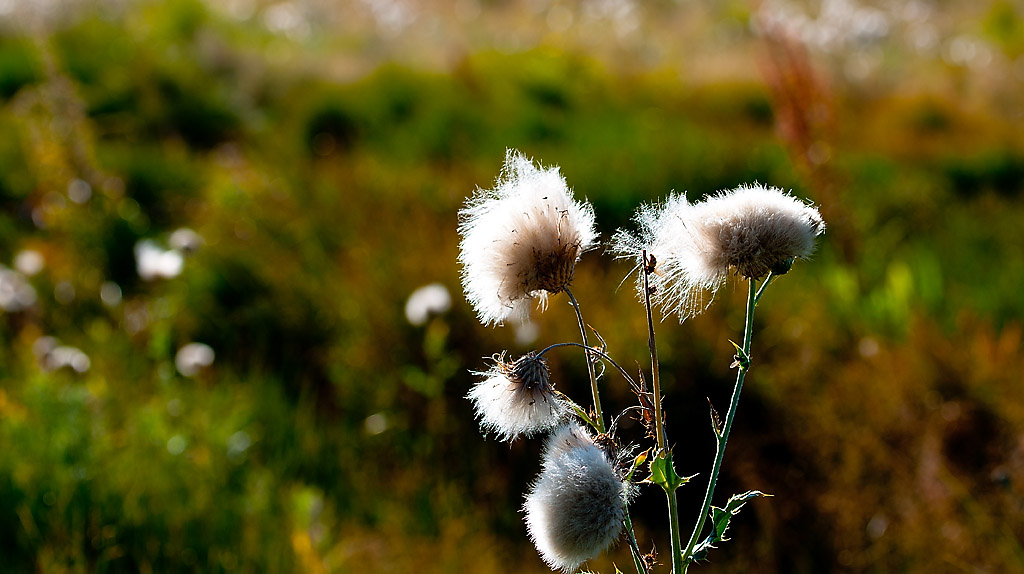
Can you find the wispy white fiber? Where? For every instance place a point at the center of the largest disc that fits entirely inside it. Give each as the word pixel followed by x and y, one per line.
pixel 750 230
pixel 521 240
pixel 576 507
pixel 517 398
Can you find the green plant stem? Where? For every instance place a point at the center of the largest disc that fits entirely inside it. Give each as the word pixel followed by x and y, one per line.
pixel 764 286
pixel 722 439
pixel 659 425
pixel 598 415
pixel 638 557
pixel 678 565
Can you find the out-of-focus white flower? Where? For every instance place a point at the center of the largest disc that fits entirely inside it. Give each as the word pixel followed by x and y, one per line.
pixel 192 358
pixel 176 444
pixel 288 19
pixel 517 398
pixel 432 299
pixel 53 356
pixel 375 424
pixel 110 293
pixel 16 294
pixel 185 240
pixel 29 262
pixel 527 333
pixel 44 345
pixel 153 262
pixel 576 507
pixel 79 191
pixel 238 443
pixel 752 229
pixel 521 240
pixel 65 356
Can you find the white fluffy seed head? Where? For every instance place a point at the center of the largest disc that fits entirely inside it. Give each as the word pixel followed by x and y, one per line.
pixel 576 507
pixel 517 398
pixel 521 240
pixel 752 229
pixel 663 234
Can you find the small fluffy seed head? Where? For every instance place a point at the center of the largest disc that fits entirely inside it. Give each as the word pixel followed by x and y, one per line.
pixel 576 507
pixel 517 398
pixel 663 235
pixel 752 229
pixel 521 240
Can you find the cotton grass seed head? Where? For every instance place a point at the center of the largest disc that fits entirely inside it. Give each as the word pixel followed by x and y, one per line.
pixel 517 398
pixel 751 230
pixel 576 507
pixel 521 240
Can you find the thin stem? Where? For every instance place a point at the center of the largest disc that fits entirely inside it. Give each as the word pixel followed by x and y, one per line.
pixel 590 365
pixel 764 286
pixel 655 371
pixel 593 350
pixel 678 565
pixel 638 557
pixel 721 440
pixel 659 422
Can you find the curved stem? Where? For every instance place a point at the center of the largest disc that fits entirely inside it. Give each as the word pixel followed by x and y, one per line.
pixel 615 421
pixel 722 439
pixel 590 365
pixel 593 350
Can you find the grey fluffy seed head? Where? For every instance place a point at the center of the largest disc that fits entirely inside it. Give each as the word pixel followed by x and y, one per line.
pixel 517 398
pixel 521 240
pixel 750 230
pixel 575 509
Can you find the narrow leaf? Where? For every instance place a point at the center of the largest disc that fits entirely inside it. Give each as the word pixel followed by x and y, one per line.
pixel 720 518
pixel 716 423
pixel 579 411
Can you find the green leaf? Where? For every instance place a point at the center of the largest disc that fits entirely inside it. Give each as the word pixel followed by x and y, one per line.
pixel 720 518
pixel 737 501
pixel 663 473
pixel 742 359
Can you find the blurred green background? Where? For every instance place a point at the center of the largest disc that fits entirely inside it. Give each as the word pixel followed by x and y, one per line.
pixel 212 216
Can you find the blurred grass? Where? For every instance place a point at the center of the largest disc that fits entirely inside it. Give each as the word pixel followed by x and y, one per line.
pixel 886 412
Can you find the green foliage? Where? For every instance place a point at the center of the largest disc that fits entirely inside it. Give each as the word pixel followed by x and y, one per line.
pixel 1000 171
pixel 1004 23
pixel 19 65
pixel 663 473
